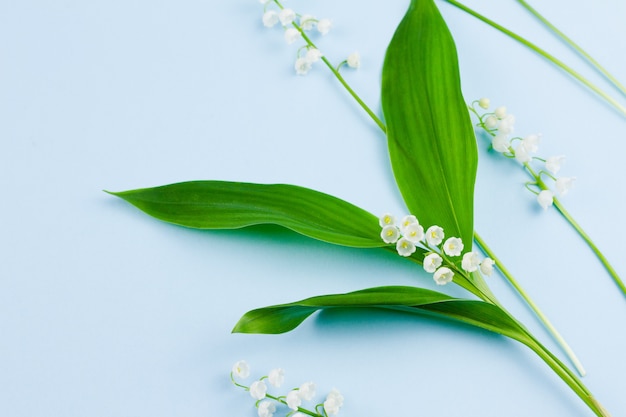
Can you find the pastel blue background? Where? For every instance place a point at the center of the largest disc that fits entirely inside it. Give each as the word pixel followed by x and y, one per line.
pixel 107 312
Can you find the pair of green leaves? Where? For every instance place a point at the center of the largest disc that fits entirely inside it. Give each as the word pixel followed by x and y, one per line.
pixel 433 154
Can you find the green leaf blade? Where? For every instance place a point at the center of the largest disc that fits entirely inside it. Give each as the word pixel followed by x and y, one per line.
pixel 430 136
pixel 286 317
pixel 234 205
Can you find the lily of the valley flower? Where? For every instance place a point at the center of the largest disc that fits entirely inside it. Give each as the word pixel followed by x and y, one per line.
pixel 443 275
pixel 390 234
pixel 333 403
pixel 292 35
pixel 405 247
pixel 241 370
pixel 293 399
pixel 470 262
pixel 266 408
pixel 307 391
pixel 434 235
pixel 553 163
pixel 545 198
pixel 270 18
pixel 323 26
pixel 564 184
pixel 432 262
pixel 286 16
pixel 453 246
pixel 486 266
pixel 354 60
pixel 276 377
pixel 258 390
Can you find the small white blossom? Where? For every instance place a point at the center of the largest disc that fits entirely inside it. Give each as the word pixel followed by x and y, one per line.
pixel 564 184
pixel 390 234
pixel 386 219
pixel 292 35
pixel 354 60
pixel 266 408
pixel 434 235
pixel 545 198
pixel 486 266
pixel 500 112
pixel 491 122
pixel 443 275
pixel 307 22
pixel 453 246
pixel 324 25
pixel 264 2
pixel 531 143
pixel 276 377
pixel 307 391
pixel 302 66
pixel 521 155
pixel 270 18
pixel 506 125
pixel 313 55
pixel 484 103
pixel 553 163
pixel 408 220
pixel 293 399
pixel 500 143
pixel 432 262
pixel 405 247
pixel 413 233
pixel 470 262
pixel 258 389
pixel 333 403
pixel 286 16
pixel 241 369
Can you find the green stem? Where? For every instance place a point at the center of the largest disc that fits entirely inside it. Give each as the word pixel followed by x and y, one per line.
pixel 542 317
pixel 595 64
pixel 594 248
pixel 543 53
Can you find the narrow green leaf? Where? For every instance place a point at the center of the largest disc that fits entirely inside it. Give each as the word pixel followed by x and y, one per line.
pixel 430 136
pixel 286 317
pixel 233 205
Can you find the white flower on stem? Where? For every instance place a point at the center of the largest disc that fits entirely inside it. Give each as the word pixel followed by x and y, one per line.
pixel 521 155
pixel 531 143
pixel 286 16
pixel 405 247
pixel 443 275
pixel 407 221
pixel 307 391
pixel 264 2
pixel 470 262
pixel 302 66
pixel 553 163
pixel 293 399
pixel 390 234
pixel 500 112
pixel 564 184
pixel 432 262
pixel 241 369
pixel 292 35
pixel 434 235
pixel 484 103
pixel 506 125
pixel 313 55
pixel 354 60
pixel 258 389
pixel 491 122
pixel 324 25
pixel 276 377
pixel 387 219
pixel 500 143
pixel 307 22
pixel 266 408
pixel 453 246
pixel 545 198
pixel 486 266
pixel 333 403
pixel 270 18
pixel 413 233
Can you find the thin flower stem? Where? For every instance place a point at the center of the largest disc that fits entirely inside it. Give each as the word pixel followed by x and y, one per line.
pixel 542 317
pixel 543 53
pixel 595 64
pixel 581 232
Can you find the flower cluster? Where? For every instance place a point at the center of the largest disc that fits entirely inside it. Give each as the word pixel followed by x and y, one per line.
pixel 410 235
pixel 296 26
pixel 266 403
pixel 500 125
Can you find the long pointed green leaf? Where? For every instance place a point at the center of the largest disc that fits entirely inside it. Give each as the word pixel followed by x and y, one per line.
pixel 233 205
pixel 431 141
pixel 285 317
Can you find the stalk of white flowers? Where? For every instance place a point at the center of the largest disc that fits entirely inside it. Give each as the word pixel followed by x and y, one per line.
pixel 266 402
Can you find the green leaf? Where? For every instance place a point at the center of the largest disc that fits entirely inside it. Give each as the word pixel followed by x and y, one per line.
pixel 233 205
pixel 430 136
pixel 285 317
